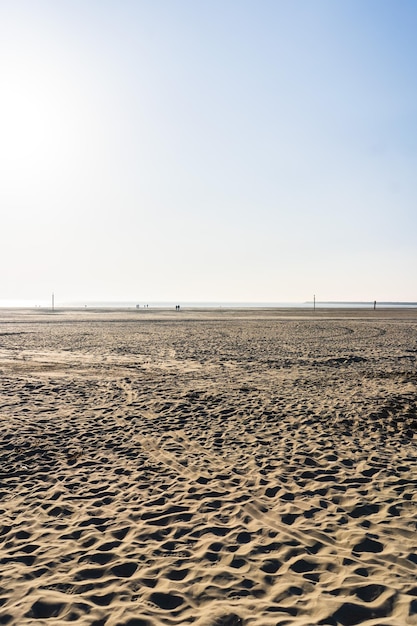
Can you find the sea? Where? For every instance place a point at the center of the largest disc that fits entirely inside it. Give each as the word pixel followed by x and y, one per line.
pixel 110 304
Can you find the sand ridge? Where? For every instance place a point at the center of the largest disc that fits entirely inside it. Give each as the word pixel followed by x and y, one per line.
pixel 208 468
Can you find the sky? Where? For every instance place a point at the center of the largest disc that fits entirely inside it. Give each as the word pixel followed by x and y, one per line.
pixel 209 150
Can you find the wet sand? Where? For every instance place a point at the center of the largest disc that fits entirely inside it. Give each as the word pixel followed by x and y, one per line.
pixel 213 467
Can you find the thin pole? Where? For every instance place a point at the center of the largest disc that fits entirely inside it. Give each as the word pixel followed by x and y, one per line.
pixel 53 304
pixel 314 302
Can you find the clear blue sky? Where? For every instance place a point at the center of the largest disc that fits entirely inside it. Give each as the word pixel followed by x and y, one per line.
pixel 210 150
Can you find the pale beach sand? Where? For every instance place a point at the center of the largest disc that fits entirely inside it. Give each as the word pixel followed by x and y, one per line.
pixel 253 468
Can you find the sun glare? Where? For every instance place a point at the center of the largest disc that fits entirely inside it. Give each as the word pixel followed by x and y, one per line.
pixel 34 117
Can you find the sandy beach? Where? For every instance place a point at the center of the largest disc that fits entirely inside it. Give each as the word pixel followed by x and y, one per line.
pixel 208 467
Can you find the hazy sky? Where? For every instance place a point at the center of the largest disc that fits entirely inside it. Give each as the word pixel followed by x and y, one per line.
pixel 234 150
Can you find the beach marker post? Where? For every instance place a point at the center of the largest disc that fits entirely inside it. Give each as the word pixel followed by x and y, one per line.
pixel 314 302
pixel 53 303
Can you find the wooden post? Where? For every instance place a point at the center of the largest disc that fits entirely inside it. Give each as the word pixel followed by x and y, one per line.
pixel 314 302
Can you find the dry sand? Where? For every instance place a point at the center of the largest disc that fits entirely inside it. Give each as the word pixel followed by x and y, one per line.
pixel 225 468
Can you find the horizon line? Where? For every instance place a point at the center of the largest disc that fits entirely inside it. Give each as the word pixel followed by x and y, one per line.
pixel 32 303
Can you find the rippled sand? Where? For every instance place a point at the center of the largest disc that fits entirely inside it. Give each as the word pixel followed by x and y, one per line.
pixel 224 468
